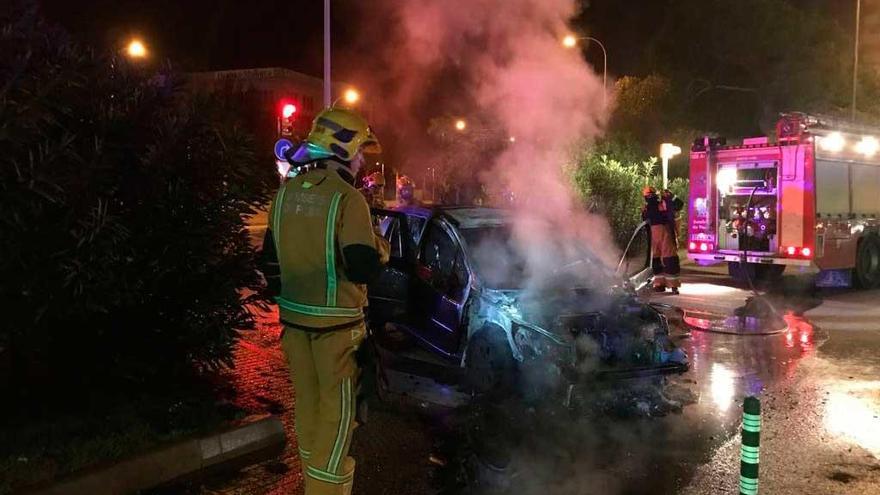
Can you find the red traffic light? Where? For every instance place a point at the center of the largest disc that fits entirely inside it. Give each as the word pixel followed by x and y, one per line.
pixel 288 110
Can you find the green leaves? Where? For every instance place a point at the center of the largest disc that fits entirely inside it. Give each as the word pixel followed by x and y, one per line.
pixel 609 176
pixel 122 197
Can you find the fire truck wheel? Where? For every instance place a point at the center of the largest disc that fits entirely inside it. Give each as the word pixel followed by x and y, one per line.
pixel 867 271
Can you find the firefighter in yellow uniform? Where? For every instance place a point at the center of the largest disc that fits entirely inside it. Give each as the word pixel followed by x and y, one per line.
pixel 660 213
pixel 321 235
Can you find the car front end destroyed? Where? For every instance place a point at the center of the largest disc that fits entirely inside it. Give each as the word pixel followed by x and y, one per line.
pixel 559 339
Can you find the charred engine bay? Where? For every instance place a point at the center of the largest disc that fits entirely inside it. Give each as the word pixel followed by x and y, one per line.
pixel 587 334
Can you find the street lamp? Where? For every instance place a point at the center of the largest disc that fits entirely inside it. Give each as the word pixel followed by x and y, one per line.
pixel 327 89
pixel 460 125
pixel 136 49
pixel 351 97
pixel 570 41
pixel 667 151
pixel 855 77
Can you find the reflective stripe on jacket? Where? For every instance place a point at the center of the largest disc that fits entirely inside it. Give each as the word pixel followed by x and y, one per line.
pixel 313 218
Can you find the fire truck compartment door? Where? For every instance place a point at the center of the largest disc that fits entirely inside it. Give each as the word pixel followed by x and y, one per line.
pixel 832 189
pixel 866 189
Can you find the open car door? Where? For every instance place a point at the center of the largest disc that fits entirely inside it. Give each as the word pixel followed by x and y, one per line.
pixel 388 295
pixel 635 264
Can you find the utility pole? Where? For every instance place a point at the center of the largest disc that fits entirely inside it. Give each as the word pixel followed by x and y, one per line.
pixel 327 91
pixel 855 77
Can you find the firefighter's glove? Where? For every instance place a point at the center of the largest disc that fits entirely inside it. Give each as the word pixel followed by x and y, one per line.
pixel 383 247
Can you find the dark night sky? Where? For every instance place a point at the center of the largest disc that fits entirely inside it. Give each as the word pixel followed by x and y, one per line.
pixel 220 34
pixel 199 34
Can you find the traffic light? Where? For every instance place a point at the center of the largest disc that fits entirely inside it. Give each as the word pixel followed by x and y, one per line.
pixel 286 117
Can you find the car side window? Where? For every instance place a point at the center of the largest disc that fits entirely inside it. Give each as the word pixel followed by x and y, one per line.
pixel 439 253
pixel 416 225
pixel 459 279
pixel 389 227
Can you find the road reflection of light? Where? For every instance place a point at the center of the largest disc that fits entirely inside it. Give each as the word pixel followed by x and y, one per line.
pixel 855 415
pixel 706 290
pixel 700 323
pixel 722 383
pixel 800 328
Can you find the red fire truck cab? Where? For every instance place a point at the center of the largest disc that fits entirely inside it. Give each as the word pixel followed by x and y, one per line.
pixel 809 202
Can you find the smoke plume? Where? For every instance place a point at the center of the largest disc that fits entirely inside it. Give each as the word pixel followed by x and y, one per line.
pixel 501 63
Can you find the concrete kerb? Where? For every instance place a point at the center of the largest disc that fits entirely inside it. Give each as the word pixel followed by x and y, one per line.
pixel 258 439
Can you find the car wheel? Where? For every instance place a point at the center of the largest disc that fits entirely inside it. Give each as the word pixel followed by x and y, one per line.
pixel 490 364
pixel 867 270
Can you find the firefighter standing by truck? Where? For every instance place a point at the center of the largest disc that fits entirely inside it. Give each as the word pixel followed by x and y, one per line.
pixel 320 252
pixel 660 212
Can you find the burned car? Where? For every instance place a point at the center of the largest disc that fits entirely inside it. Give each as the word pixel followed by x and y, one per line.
pixel 452 306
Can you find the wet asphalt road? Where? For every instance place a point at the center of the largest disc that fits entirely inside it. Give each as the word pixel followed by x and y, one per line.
pixel 818 381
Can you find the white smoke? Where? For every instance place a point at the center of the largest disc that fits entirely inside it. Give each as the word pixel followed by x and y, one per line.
pixel 510 63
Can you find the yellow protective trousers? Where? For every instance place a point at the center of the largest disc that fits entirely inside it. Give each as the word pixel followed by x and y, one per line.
pixel 664 256
pixel 325 374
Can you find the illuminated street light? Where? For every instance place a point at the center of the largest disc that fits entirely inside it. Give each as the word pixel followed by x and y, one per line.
pixel 570 41
pixel 868 146
pixel 512 139
pixel 833 142
pixel 460 125
pixel 351 96
pixel 668 151
pixel 136 49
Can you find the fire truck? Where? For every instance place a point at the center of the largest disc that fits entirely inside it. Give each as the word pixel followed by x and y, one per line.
pixel 808 202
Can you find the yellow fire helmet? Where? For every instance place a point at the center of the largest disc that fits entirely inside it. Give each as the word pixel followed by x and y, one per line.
pixel 338 132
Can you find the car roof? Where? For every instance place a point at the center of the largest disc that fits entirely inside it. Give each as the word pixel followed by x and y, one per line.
pixel 464 217
pixel 476 216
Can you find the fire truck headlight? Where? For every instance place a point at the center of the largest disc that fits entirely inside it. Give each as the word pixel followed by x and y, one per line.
pixel 725 179
pixel 833 142
pixel 868 146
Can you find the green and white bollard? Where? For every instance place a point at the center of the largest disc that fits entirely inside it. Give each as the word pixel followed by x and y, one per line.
pixel 751 439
